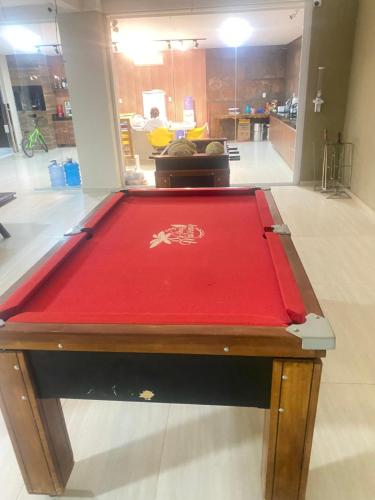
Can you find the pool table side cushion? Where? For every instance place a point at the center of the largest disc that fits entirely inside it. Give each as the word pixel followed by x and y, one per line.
pixel 21 295
pixel 108 204
pixel 287 284
pixel 290 293
pixel 308 295
pixel 21 291
pixel 289 290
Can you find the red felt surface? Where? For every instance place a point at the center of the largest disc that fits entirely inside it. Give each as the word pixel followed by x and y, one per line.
pixel 103 210
pixel 264 211
pixel 288 286
pixel 20 297
pixel 226 277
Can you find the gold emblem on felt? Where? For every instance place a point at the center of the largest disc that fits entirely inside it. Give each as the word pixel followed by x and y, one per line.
pixel 184 234
pixel 147 395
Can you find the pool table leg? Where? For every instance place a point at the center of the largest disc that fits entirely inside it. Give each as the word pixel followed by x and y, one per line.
pixel 36 427
pixel 289 427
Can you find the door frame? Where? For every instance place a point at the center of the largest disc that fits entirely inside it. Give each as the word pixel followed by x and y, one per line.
pixel 249 5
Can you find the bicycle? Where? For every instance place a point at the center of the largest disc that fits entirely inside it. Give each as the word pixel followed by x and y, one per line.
pixel 31 139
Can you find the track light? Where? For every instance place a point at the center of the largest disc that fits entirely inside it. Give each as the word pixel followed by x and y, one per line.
pixel 181 43
pixel 55 46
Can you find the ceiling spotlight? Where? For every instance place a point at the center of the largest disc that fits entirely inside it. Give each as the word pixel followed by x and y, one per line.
pixel 180 45
pixel 235 31
pixel 21 39
pixel 57 49
pixel 115 46
pixel 169 44
pixel 115 26
pixel 196 44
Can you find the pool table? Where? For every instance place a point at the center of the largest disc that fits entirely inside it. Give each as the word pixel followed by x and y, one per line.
pixel 190 296
pixel 198 170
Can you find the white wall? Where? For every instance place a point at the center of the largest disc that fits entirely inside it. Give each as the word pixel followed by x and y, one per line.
pixel 157 7
pixel 86 50
pixel 331 46
pixel 7 91
pixel 360 118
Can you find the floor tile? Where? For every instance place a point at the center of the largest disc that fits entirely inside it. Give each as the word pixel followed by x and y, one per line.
pixel 212 453
pixel 309 213
pixel 10 476
pixel 343 456
pixel 117 448
pixel 346 262
pixel 352 317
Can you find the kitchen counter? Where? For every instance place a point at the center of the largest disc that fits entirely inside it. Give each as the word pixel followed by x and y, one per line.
pixel 283 137
pixel 249 116
pixel 64 131
pixel 56 118
pixel 284 117
pixel 226 124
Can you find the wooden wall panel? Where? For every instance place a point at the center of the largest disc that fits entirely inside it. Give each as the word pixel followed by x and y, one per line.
pixel 293 64
pixel 182 74
pixel 39 69
pixel 33 69
pixel 260 69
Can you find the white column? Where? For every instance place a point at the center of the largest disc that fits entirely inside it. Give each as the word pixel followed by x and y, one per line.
pixel 8 96
pixel 86 52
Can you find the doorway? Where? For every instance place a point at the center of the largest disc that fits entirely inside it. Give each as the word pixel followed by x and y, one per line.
pixel 6 130
pixel 237 93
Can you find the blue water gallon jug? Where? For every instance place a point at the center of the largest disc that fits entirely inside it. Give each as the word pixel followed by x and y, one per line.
pixel 56 174
pixel 72 173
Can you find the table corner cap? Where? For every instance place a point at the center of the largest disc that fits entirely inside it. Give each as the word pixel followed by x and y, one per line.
pixel 74 231
pixel 281 229
pixel 316 333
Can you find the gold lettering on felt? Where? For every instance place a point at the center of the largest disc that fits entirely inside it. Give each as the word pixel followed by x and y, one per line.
pixel 184 234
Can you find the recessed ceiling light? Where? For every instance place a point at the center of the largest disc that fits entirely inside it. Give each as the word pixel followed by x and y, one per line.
pixel 21 39
pixel 235 31
pixel 140 49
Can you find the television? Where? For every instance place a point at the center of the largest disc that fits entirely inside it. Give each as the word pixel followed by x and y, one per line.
pixel 29 98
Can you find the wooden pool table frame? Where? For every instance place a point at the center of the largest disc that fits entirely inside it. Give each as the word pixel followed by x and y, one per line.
pixel 37 426
pixel 185 170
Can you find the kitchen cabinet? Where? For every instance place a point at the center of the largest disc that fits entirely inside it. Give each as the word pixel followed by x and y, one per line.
pixel 64 132
pixel 283 139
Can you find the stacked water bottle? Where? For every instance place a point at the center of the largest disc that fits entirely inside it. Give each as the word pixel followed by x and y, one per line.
pixel 64 174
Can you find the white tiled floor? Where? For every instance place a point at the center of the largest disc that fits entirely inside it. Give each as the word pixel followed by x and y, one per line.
pixel 19 173
pixel 5 152
pixel 167 452
pixel 259 164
